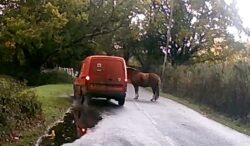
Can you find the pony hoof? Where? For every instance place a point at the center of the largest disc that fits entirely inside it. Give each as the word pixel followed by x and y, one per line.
pixel 152 100
pixel 136 98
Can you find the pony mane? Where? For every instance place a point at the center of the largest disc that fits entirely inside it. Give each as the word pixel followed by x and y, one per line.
pixel 132 68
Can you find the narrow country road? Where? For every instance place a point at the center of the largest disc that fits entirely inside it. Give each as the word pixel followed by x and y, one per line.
pixel 164 123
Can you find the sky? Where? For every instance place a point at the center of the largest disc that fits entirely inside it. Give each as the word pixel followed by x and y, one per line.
pixel 244 12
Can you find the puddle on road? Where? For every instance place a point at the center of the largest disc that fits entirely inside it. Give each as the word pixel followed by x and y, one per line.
pixel 74 124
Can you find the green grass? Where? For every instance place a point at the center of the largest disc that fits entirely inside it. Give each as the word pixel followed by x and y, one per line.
pixel 55 101
pixel 210 113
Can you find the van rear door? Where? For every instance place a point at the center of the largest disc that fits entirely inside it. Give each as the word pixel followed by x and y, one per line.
pixel 107 71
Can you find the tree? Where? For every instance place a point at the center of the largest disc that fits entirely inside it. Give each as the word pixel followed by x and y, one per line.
pixel 62 32
pixel 122 41
pixel 196 23
pixel 39 33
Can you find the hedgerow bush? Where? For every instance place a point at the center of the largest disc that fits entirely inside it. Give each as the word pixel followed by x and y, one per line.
pixel 54 76
pixel 18 106
pixel 224 85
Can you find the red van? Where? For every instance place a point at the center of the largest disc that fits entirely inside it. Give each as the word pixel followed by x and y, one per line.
pixel 102 76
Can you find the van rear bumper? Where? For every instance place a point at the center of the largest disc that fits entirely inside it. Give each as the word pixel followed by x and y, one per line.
pixel 103 88
pixel 107 95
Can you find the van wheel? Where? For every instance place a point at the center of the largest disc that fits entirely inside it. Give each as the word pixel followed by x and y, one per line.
pixel 82 100
pixel 121 101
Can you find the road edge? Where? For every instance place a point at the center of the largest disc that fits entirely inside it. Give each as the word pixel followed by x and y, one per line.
pixel 209 113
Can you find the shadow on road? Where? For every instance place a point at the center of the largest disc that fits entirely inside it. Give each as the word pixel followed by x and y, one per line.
pixel 142 100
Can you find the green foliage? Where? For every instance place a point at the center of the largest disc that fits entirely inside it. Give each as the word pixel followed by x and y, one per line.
pixel 54 77
pixel 17 106
pixel 148 54
pixel 54 101
pixel 195 26
pixel 222 85
pixel 33 30
pixel 37 34
pixel 40 33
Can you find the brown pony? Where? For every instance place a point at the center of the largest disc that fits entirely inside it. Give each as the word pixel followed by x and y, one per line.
pixel 138 78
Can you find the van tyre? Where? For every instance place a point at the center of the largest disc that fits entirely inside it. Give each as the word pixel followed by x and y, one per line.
pixel 82 100
pixel 121 101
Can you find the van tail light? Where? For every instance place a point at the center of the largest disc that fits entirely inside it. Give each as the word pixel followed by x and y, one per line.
pixel 87 78
pixel 126 80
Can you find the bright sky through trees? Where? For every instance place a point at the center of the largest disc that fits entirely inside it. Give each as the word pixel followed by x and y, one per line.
pixel 244 12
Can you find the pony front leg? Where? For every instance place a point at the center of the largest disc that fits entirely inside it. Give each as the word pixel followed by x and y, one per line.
pixel 136 92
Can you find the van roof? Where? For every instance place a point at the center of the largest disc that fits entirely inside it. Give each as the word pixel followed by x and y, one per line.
pixel 103 56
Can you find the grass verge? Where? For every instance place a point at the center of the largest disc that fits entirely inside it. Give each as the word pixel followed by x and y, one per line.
pixel 55 101
pixel 210 113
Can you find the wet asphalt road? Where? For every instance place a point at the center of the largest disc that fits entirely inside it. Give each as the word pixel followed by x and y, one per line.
pixel 163 123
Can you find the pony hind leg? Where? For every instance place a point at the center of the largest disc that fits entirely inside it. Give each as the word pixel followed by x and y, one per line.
pixel 153 99
pixel 156 91
pixel 136 92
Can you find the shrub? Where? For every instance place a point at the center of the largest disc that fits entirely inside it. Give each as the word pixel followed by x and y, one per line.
pixel 54 77
pixel 223 86
pixel 17 105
